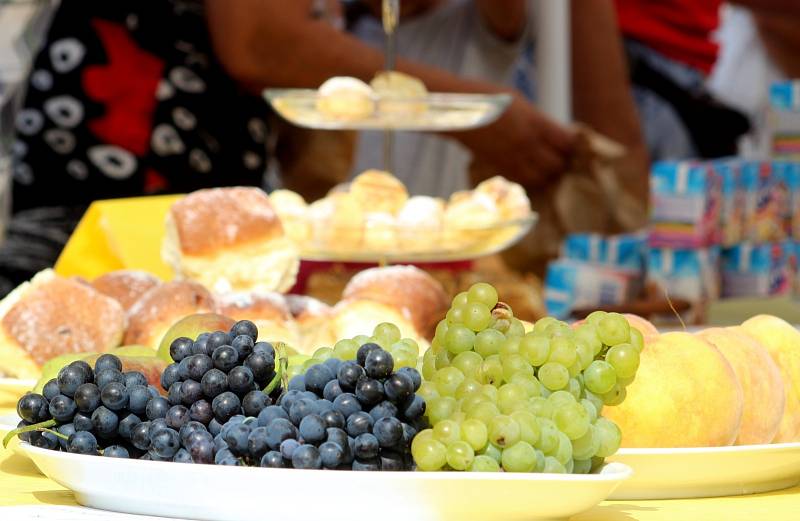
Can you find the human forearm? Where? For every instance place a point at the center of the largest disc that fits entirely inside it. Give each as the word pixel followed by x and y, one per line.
pixel 791 7
pixel 275 43
pixel 602 96
pixel 782 41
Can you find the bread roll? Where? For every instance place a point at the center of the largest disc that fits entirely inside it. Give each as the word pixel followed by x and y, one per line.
pixel 158 309
pixel 378 191
pixel 230 240
pixel 51 316
pixel 345 98
pixel 268 311
pixel 293 212
pixel 125 286
pixel 418 297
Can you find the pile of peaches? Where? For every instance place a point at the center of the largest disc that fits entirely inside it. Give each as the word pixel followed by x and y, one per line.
pixel 715 387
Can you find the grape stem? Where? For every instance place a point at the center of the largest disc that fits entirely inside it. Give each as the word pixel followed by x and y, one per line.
pixel 27 428
pixel 280 370
pixel 54 433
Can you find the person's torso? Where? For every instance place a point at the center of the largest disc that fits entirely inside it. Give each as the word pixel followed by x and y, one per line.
pixel 679 29
pixel 126 98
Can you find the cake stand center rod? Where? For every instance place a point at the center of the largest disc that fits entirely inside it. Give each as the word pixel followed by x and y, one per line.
pixel 391 17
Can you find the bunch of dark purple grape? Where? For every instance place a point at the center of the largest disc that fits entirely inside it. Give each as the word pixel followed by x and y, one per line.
pixel 342 415
pixel 88 410
pixel 215 378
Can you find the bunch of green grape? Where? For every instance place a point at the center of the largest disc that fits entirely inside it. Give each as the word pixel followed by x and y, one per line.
pixel 405 351
pixel 501 398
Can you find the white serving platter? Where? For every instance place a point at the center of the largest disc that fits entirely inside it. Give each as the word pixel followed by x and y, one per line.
pixel 209 492
pixel 708 471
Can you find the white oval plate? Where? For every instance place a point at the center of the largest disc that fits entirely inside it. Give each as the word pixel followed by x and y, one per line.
pixel 708 471
pixel 8 423
pixel 210 492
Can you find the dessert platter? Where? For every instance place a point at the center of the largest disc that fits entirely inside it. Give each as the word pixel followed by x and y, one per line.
pixel 373 219
pixel 392 101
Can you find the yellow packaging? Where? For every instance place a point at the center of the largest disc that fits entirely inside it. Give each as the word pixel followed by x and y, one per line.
pixel 118 234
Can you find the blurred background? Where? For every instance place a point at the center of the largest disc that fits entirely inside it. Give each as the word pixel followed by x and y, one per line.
pixel 682 115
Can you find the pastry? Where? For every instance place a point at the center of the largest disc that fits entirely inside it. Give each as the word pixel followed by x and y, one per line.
pixel 379 232
pixel 337 223
pixel 293 212
pixel 379 191
pixel 311 316
pixel 468 219
pixel 345 98
pixel 158 309
pixel 51 316
pixel 399 93
pixel 230 240
pixel 125 286
pixel 420 222
pixel 510 198
pixel 418 297
pixel 353 317
pixel 268 311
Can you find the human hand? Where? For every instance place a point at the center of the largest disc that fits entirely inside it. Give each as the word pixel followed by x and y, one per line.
pixel 523 145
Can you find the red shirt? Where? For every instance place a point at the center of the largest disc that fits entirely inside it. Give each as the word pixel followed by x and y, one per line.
pixel 679 29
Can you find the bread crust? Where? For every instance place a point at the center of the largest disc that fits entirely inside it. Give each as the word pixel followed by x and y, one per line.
pixel 62 316
pixel 248 218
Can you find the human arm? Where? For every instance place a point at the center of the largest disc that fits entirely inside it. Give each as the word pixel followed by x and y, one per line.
pixel 777 22
pixel 602 96
pixel 275 43
pixel 785 7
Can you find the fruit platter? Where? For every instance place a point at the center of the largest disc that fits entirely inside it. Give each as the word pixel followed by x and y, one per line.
pixel 474 417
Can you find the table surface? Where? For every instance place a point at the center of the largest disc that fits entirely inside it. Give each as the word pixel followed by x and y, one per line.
pixel 21 484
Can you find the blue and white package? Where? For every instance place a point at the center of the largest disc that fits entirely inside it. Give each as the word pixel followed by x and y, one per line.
pixel 686 205
pixel 732 211
pixel 625 251
pixel 790 174
pixel 571 285
pixel 758 270
pixel 765 198
pixel 785 95
pixel 686 274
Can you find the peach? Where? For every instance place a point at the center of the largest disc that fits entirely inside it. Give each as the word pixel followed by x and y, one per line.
pixel 782 341
pixel 761 382
pixel 645 327
pixel 685 394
